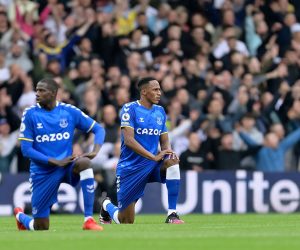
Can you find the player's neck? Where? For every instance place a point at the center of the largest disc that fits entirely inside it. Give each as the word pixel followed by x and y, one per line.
pixel 146 103
pixel 49 106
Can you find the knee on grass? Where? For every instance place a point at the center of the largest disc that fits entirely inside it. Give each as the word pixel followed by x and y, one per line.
pixel 127 221
pixel 41 226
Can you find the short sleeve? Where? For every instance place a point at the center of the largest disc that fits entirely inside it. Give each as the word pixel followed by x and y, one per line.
pixel 83 121
pixel 165 129
pixel 127 116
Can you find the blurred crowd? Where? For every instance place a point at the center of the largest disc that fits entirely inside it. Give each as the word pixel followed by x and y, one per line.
pixel 229 71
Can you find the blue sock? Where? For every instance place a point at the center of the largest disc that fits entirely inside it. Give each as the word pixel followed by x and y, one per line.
pixel 112 209
pixel 173 191
pixel 25 220
pixel 87 186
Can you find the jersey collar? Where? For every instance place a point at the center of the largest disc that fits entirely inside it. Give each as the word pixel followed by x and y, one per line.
pixel 57 103
pixel 138 102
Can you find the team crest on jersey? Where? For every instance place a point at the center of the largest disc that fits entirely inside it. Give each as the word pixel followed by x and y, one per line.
pixel 63 123
pixel 159 121
pixel 125 117
pixel 141 119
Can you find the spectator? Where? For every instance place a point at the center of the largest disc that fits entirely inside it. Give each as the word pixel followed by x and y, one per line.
pixel 22 8
pixel 216 62
pixel 125 17
pixel 50 48
pixel 18 56
pixel 110 124
pixel 229 43
pixel 270 156
pixel 9 125
pixel 27 98
pixel 4 70
pixel 144 6
pixel 159 22
pixel 8 142
pixel 215 116
pixel 226 157
pixel 194 158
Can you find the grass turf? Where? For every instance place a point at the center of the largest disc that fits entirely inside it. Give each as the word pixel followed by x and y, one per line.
pixel 218 232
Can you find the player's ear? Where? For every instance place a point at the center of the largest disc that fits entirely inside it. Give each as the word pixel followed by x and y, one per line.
pixel 143 91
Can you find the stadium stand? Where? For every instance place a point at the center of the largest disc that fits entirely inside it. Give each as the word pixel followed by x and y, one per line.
pixel 225 68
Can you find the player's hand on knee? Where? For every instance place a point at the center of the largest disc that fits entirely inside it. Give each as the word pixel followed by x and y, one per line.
pixel 170 160
pixel 169 163
pixel 174 156
pixel 89 155
pixel 160 156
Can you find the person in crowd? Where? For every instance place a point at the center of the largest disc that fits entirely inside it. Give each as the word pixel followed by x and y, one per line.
pixel 194 158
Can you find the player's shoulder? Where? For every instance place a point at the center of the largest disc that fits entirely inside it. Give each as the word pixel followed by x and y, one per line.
pixel 156 106
pixel 66 106
pixel 130 106
pixel 29 110
pixel 159 108
pixel 69 108
pixel 72 110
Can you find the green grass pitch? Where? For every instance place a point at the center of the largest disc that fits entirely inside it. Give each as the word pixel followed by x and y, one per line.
pixel 218 232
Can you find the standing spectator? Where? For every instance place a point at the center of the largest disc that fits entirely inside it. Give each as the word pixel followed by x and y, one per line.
pixel 22 7
pixel 8 142
pixel 125 17
pixel 4 70
pixel 110 124
pixel 226 157
pixel 159 22
pixel 9 124
pixel 145 7
pixel 27 98
pixel 51 49
pixel 18 56
pixel 270 156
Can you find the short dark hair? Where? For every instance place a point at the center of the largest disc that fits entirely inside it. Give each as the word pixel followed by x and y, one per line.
pixel 248 116
pixel 143 81
pixel 51 84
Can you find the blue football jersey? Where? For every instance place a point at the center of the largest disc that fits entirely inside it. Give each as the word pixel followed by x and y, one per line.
pixel 51 132
pixel 148 125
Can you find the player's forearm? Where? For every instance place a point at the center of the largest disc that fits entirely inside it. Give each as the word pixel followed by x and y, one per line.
pixel 164 142
pixel 165 146
pixel 95 151
pixel 32 154
pixel 139 149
